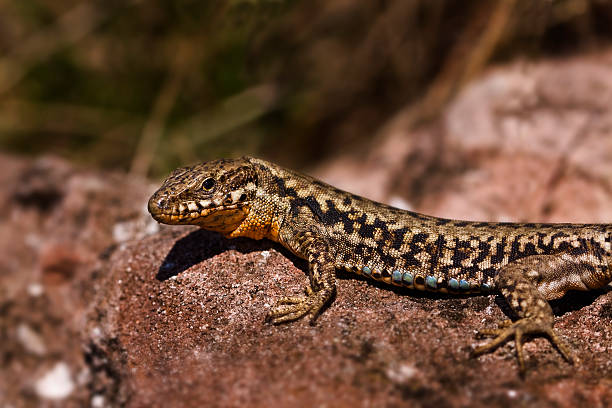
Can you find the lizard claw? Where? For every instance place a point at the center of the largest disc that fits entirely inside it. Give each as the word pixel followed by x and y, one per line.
pixel 518 329
pixel 292 308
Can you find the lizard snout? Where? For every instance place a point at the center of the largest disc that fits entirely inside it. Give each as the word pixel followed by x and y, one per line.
pixel 157 204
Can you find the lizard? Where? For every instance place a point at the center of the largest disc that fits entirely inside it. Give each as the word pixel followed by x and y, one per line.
pixel 529 264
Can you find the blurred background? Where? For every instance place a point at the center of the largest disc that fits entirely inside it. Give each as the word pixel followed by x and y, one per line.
pixel 484 110
pixel 145 86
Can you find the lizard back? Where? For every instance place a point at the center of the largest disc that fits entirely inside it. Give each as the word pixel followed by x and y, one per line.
pixel 406 248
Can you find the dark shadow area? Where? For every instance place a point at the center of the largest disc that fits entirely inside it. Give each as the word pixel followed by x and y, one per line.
pixel 501 302
pixel 606 311
pixel 201 245
pixel 572 301
pixel 576 300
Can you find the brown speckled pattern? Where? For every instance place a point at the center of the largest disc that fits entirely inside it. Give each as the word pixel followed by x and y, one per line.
pixel 528 264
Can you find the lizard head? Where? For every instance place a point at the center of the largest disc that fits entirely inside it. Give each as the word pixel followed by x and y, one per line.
pixel 214 195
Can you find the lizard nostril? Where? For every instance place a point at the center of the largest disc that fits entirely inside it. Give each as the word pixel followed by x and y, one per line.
pixel 157 203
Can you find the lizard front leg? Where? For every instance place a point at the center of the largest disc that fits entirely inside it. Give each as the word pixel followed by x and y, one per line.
pixel 528 284
pixel 311 245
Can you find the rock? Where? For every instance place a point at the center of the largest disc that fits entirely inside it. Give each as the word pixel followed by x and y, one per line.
pixel 523 142
pixel 183 313
pixel 31 340
pixel 56 383
pixel 56 231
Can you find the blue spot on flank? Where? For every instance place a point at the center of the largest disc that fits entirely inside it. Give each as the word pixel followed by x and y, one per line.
pixel 453 284
pixel 407 278
pixel 464 285
pixel 396 276
pixel 431 282
pixel 366 270
pixel 485 287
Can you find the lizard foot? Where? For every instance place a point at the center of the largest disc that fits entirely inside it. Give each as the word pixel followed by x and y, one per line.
pixel 295 307
pixel 526 326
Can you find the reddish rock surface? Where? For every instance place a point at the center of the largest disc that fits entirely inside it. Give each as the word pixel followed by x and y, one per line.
pixel 98 307
pixel 58 227
pixel 530 141
pixel 181 318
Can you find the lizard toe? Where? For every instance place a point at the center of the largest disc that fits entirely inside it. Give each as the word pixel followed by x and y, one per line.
pixel 295 307
pixel 561 346
pixel 291 300
pixel 518 329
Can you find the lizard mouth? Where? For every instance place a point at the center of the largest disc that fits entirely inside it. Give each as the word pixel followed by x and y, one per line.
pixel 190 212
pixel 206 214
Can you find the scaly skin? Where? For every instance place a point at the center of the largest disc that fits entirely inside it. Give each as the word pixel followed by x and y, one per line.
pixel 529 264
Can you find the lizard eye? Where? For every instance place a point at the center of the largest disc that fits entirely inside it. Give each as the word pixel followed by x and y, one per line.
pixel 208 184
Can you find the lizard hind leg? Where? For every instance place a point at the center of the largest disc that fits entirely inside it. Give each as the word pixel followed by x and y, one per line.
pixel 521 283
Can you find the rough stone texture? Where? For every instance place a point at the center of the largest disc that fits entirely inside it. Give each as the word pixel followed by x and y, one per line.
pixel 58 226
pixel 175 317
pixel 181 318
